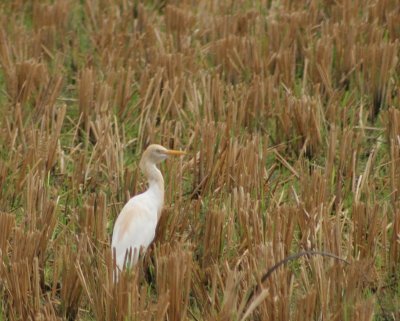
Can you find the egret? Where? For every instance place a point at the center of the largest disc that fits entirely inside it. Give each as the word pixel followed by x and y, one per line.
pixel 135 226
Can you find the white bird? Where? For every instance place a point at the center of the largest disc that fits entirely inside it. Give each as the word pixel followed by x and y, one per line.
pixel 135 226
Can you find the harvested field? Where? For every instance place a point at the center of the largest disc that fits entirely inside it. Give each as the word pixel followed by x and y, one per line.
pixel 290 114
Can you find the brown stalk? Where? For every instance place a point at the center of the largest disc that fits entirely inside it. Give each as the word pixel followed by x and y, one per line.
pixel 289 258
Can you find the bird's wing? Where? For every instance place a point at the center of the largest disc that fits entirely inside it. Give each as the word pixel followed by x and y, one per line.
pixel 134 227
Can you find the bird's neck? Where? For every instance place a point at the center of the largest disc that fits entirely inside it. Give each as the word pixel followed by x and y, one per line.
pixel 156 183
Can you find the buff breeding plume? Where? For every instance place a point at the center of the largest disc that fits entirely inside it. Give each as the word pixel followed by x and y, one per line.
pixel 136 225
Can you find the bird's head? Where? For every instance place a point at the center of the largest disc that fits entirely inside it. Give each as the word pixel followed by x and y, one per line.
pixel 155 154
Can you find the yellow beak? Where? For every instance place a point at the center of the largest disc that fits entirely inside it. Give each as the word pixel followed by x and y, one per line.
pixel 172 152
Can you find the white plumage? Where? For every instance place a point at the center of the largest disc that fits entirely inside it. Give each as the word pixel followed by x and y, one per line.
pixel 136 225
